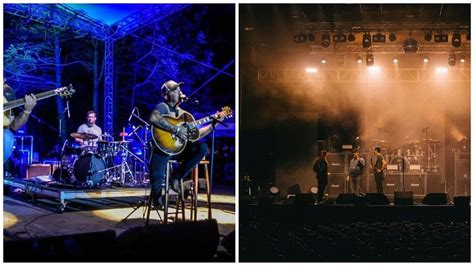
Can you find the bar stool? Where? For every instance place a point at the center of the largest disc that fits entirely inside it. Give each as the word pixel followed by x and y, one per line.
pixel 195 190
pixel 166 192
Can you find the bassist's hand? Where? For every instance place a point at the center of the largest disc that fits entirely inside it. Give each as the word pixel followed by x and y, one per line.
pixel 30 102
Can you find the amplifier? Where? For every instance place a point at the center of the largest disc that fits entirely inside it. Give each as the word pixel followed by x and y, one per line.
pixel 337 163
pixel 416 183
pixel 34 170
pixel 391 183
pixel 336 184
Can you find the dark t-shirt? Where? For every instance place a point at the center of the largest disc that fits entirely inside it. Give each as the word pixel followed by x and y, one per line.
pixel 379 162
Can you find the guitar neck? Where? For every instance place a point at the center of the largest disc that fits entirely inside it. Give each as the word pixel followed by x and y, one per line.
pixel 19 102
pixel 202 121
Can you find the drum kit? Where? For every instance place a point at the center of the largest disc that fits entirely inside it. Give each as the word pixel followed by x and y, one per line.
pixel 97 163
pixel 419 155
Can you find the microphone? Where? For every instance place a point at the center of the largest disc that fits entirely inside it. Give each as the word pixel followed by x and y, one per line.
pixel 131 115
pixel 67 106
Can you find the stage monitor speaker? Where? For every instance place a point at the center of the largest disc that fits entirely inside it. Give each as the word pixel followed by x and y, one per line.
pixel 304 199
pixel 435 199
pixel 88 247
pixel 174 242
pixel 377 199
pixel 403 198
pixel 462 200
pixel 345 199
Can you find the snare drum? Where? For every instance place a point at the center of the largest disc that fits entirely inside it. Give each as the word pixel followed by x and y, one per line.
pixel 108 148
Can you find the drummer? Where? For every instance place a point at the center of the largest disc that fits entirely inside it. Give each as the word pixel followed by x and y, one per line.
pixel 91 128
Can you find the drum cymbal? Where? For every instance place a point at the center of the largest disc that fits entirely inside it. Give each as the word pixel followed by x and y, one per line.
pixel 84 136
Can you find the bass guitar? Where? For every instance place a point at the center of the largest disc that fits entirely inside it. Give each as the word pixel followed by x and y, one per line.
pixel 64 92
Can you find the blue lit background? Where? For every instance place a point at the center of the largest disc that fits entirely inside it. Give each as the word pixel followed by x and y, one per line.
pixel 195 45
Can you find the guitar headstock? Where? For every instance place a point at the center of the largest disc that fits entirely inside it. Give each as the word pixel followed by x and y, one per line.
pixel 226 112
pixel 65 92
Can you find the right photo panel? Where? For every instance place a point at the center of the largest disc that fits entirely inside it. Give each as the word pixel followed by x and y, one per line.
pixel 354 142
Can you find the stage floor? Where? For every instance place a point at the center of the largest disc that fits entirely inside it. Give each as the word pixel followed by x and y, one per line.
pixel 22 219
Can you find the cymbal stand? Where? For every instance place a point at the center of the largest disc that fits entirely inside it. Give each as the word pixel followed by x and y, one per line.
pixel 144 142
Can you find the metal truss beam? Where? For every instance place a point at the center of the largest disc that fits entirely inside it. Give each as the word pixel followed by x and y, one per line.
pixel 143 18
pixel 109 87
pixel 388 26
pixel 361 75
pixel 61 16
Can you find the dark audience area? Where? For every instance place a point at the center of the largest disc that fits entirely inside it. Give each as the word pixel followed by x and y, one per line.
pixel 336 234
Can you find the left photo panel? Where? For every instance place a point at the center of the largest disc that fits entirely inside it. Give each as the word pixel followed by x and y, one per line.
pixel 119 133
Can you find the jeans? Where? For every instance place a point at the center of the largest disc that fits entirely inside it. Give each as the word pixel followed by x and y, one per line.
pixel 379 182
pixel 8 142
pixel 189 158
pixel 355 185
pixel 322 182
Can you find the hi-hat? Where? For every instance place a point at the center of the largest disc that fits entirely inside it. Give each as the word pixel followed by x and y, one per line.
pixel 84 136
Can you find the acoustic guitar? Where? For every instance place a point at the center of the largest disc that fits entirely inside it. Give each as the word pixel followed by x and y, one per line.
pixel 64 92
pixel 171 144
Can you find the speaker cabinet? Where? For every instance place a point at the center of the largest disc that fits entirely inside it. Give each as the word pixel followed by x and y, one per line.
pixel 336 184
pixel 337 163
pixel 391 183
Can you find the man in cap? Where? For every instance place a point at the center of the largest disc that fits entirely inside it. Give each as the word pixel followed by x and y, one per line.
pixel 189 157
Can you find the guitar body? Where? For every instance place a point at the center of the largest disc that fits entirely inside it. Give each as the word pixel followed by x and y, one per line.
pixel 168 142
pixel 171 144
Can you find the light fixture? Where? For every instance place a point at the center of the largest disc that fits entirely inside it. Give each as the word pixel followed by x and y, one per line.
pixel 311 70
pixel 359 59
pixel 300 38
pixel 395 60
pixel 339 37
pixel 369 59
pixel 426 59
pixel 351 37
pixel 274 190
pixel 456 39
pixel 428 35
pixel 462 58
pixel 441 37
pixel 311 37
pixel 379 37
pixel 452 59
pixel 323 60
pixel 392 37
pixel 366 40
pixel 441 70
pixel 313 190
pixel 325 40
pixel 410 45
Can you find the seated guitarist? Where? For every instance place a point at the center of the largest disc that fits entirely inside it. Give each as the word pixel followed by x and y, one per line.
pixel 12 123
pixel 189 157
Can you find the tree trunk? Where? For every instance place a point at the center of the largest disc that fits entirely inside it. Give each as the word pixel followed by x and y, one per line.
pixel 59 100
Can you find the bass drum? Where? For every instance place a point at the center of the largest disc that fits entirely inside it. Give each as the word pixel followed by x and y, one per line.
pixel 89 170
